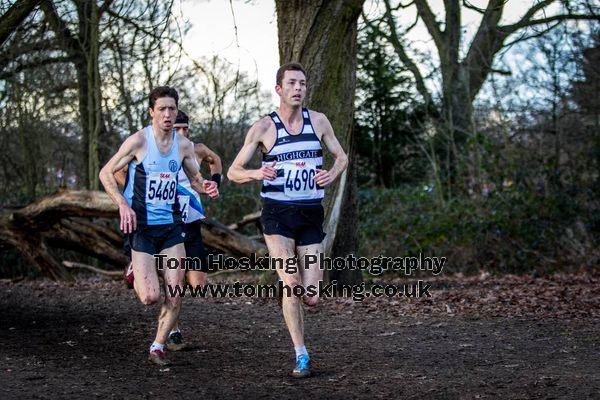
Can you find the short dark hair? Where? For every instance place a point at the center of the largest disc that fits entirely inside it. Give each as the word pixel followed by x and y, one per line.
pixel 163 91
pixel 293 66
pixel 182 118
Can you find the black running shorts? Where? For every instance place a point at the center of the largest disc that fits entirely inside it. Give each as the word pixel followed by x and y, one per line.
pixel 303 223
pixel 152 239
pixel 194 247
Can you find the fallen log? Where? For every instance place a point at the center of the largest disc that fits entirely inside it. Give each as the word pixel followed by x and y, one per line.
pixel 233 243
pixel 100 271
pixel 246 219
pixel 84 221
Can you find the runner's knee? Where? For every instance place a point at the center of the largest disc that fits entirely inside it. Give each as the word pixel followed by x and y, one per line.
pixel 149 298
pixel 292 281
pixel 311 300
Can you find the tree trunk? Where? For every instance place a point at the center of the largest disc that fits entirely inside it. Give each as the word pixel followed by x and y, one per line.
pixel 346 241
pixel 89 88
pixel 321 35
pixel 83 48
pixel 455 126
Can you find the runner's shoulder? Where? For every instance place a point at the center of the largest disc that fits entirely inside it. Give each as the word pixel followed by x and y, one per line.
pixel 185 144
pixel 317 117
pixel 136 140
pixel 261 128
pixel 320 123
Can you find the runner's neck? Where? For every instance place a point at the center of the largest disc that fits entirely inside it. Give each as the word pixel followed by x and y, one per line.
pixel 162 137
pixel 291 117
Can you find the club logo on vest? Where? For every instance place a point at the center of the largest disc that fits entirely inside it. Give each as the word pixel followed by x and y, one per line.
pixel 173 165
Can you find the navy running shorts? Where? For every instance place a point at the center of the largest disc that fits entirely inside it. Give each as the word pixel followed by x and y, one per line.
pixel 194 247
pixel 152 239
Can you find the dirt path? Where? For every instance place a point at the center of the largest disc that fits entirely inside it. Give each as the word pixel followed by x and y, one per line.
pixel 89 339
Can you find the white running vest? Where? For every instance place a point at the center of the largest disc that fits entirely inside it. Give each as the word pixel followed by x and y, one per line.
pixel 297 158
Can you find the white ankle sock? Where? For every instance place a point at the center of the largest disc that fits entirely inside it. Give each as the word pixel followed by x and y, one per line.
pixel 300 350
pixel 157 346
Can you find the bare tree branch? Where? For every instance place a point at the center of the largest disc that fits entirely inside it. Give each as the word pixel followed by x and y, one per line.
pixel 15 15
pixel 394 40
pixel 508 29
pixel 105 6
pixel 60 28
pixel 486 43
pixel 530 13
pixel 525 37
pixel 35 64
pixel 430 22
pixel 14 51
pixel 470 6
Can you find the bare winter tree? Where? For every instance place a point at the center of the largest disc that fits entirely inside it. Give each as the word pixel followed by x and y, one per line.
pixel 463 72
pixel 77 33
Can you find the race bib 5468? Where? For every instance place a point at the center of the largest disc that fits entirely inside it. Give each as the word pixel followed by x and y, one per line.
pixel 161 188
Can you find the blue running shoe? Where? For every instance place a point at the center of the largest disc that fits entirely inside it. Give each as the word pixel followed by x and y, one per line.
pixel 302 369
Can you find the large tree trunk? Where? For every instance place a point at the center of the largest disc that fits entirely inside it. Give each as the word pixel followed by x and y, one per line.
pixel 89 88
pixel 83 48
pixel 321 35
pixel 454 126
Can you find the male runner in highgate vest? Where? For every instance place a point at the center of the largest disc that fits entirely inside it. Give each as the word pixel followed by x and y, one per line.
pixel 293 180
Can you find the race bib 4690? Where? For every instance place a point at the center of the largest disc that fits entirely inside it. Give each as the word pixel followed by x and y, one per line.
pixel 300 180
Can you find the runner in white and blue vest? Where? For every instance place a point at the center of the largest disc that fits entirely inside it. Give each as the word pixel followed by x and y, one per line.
pixel 149 210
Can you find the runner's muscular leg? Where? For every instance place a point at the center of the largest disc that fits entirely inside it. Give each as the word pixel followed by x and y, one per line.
pixel 283 247
pixel 312 275
pixel 170 309
pixel 196 278
pixel 146 283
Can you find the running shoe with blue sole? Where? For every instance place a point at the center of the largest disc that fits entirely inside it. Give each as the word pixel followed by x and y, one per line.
pixel 302 369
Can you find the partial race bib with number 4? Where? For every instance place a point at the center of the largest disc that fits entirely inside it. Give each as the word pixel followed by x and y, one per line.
pixel 184 205
pixel 161 188
pixel 300 180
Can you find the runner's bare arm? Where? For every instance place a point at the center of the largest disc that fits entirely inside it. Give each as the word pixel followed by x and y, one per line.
pixel 204 154
pixel 127 152
pixel 254 140
pixel 121 176
pixel 190 167
pixel 325 177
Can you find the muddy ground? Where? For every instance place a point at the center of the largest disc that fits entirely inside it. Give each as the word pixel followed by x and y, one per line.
pixel 476 338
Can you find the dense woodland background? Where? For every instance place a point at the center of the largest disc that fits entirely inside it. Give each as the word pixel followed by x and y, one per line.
pixel 484 149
